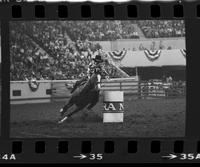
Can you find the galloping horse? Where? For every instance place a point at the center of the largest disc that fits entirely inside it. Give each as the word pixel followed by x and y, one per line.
pixel 87 94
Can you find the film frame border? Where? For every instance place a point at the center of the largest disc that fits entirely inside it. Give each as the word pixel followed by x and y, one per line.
pixel 189 143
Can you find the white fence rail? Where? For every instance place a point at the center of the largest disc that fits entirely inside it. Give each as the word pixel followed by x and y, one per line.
pixel 47 91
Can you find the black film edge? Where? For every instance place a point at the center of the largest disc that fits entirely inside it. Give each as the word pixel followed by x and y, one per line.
pixel 145 111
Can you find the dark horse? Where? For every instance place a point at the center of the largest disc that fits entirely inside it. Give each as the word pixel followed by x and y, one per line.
pixel 87 94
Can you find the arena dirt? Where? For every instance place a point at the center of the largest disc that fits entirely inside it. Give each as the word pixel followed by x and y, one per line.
pixel 143 118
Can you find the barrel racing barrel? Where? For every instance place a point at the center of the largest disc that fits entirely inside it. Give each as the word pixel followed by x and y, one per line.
pixel 113 106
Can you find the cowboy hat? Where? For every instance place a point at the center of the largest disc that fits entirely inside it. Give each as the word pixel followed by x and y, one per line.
pixel 98 58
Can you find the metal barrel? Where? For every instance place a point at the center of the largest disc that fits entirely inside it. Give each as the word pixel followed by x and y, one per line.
pixel 113 106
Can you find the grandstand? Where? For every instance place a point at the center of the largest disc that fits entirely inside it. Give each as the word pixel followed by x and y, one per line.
pixel 63 49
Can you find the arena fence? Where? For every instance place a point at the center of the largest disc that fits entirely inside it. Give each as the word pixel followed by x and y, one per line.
pixel 45 91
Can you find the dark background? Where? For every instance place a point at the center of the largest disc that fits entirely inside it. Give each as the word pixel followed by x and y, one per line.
pixel 120 154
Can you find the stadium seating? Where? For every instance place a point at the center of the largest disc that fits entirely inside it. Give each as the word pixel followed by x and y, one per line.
pixel 159 29
pixel 63 49
pixel 63 59
pixel 100 30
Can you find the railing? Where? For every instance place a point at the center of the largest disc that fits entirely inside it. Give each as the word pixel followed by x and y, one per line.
pixel 161 90
pixel 136 88
pixel 48 91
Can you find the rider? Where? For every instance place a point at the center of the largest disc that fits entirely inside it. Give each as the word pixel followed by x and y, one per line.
pixel 94 66
pixel 91 69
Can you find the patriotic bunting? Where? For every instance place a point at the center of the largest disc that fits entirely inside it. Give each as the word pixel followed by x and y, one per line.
pixel 152 55
pixel 117 55
pixel 183 51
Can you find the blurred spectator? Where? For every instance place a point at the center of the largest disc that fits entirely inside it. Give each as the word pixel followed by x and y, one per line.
pixel 153 46
pixel 169 48
pixel 141 47
pixel 169 79
pixel 161 46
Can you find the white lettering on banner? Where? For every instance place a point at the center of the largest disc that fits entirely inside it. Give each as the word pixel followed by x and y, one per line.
pixel 110 106
pixel 121 107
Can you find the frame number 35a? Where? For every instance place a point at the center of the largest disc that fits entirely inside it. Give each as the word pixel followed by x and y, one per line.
pixel 189 156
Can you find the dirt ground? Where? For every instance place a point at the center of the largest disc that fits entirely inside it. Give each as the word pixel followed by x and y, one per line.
pixel 142 118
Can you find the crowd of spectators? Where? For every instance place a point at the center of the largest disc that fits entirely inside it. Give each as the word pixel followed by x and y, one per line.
pixel 63 49
pixel 117 29
pixel 48 53
pixel 100 30
pixel 160 29
pixel 26 58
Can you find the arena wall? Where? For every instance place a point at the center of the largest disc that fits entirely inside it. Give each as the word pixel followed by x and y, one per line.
pixel 21 93
pixel 129 44
pixel 53 90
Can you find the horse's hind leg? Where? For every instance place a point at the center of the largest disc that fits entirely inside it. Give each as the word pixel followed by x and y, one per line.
pixel 75 111
pixel 66 107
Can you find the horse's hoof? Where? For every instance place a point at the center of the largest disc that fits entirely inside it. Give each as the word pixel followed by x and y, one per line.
pixel 62 120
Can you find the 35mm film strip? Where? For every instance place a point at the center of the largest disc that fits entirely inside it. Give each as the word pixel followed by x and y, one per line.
pixel 99 82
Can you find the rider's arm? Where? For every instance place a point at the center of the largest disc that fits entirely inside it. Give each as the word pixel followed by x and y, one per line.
pixel 106 74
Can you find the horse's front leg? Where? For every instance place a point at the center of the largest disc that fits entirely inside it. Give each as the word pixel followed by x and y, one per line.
pixel 64 109
pixel 73 112
pixel 69 115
